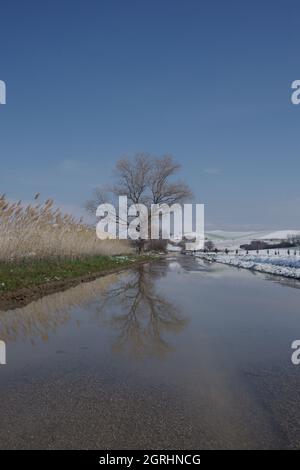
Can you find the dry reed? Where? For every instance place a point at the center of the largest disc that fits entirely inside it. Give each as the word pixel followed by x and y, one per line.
pixel 42 231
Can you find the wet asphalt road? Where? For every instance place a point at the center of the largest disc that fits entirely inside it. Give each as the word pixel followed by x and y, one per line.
pixel 172 355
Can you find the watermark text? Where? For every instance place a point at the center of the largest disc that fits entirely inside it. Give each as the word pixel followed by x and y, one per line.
pixel 2 353
pixel 295 97
pixel 2 92
pixel 153 222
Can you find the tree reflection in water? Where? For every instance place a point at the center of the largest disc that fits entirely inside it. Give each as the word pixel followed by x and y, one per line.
pixel 140 314
pixel 128 303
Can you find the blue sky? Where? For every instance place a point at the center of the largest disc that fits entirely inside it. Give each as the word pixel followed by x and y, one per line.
pixel 208 81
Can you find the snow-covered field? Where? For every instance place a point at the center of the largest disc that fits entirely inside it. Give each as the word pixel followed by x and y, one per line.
pixel 281 261
pixel 223 239
pixel 283 265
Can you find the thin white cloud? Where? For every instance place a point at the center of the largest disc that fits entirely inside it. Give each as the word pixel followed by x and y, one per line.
pixel 212 171
pixel 70 166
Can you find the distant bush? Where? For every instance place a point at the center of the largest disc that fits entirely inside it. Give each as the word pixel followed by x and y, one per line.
pixel 209 246
pixel 157 245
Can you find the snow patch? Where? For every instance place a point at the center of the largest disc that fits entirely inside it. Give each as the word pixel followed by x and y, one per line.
pixel 283 265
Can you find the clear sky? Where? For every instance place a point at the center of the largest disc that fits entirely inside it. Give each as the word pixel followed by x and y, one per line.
pixel 208 81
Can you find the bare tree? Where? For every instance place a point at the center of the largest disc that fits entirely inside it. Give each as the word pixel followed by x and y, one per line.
pixel 144 179
pixel 142 317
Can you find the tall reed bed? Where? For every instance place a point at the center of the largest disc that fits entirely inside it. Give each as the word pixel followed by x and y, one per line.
pixel 42 231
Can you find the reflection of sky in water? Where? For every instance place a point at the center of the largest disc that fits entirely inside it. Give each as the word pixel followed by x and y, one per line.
pixel 209 339
pixel 132 304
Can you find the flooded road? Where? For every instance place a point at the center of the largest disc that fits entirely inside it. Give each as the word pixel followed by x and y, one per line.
pixel 176 354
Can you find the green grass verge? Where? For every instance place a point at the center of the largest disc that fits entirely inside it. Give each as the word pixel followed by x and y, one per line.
pixel 14 276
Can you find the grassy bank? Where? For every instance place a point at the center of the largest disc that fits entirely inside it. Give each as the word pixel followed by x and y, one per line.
pixel 30 274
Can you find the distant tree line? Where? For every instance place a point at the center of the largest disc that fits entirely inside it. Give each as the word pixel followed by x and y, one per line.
pixel 262 245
